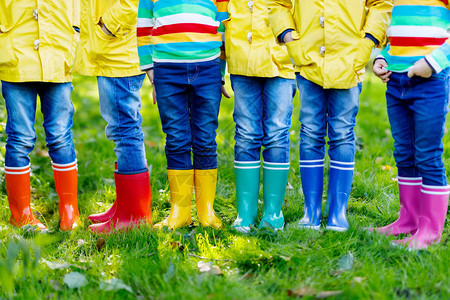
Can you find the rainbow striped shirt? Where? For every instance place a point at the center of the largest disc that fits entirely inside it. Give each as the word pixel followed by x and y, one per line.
pixel 418 29
pixel 180 30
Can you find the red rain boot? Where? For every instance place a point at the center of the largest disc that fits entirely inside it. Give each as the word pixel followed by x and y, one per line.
pixel 66 183
pixel 132 204
pixel 19 194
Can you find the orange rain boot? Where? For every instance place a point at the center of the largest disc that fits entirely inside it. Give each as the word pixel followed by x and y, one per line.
pixel 205 191
pixel 66 187
pixel 19 194
pixel 104 216
pixel 133 202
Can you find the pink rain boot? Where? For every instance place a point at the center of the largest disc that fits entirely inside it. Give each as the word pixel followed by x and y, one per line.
pixel 107 215
pixel 433 210
pixel 408 221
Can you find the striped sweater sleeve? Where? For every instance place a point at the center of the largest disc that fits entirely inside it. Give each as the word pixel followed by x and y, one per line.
pixel 439 59
pixel 222 14
pixel 419 29
pixel 145 25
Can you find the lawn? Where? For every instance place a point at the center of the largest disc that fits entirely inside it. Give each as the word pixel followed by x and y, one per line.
pixel 202 263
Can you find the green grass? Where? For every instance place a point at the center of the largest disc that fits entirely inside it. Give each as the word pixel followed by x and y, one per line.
pixel 163 265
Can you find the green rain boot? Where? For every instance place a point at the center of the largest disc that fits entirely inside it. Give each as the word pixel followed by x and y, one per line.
pixel 247 192
pixel 275 176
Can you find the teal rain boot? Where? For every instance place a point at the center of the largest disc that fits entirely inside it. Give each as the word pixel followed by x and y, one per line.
pixel 275 176
pixel 247 192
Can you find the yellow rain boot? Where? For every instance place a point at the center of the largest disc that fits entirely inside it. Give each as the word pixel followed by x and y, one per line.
pixel 205 192
pixel 181 183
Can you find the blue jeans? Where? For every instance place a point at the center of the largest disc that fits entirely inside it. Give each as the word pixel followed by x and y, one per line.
pixel 189 97
pixel 417 108
pixel 58 110
pixel 333 108
pixel 262 112
pixel 120 102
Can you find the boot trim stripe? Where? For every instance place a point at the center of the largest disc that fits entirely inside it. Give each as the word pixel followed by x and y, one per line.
pixel 17 168
pixel 311 166
pixel 247 162
pixel 275 166
pixel 238 167
pixel 405 181
pixel 410 178
pixel 270 168
pixel 341 168
pixel 66 169
pixel 272 163
pixel 435 192
pixel 434 187
pixel 342 162
pixel 18 173
pixel 64 165
pixel 312 161
pixel 409 183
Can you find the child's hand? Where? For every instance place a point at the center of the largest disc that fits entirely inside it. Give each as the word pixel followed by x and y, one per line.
pixel 224 92
pixel 288 37
pixel 421 68
pixel 379 69
pixel 150 76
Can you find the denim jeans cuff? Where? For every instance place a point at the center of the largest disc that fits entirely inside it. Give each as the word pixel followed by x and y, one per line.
pixel 132 172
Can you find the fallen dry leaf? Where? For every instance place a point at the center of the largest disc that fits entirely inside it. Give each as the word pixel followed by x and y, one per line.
pixel 359 279
pixel 42 153
pixel 55 285
pixel 336 272
pixel 326 294
pixel 100 243
pixel 289 186
pixel 301 292
pixel 387 168
pixel 150 144
pixel 177 245
pixel 208 267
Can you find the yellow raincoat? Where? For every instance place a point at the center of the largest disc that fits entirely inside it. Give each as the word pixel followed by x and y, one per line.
pixel 251 47
pixel 100 54
pixel 38 40
pixel 329 48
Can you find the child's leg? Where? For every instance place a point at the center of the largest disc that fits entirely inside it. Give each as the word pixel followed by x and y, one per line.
pixel 409 181
pixel 58 110
pixel 171 83
pixel 277 112
pixel 313 112
pixel 430 112
pixel 342 110
pixel 429 102
pixel 20 100
pixel 248 107
pixel 120 104
pixel 401 119
pixel 204 103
